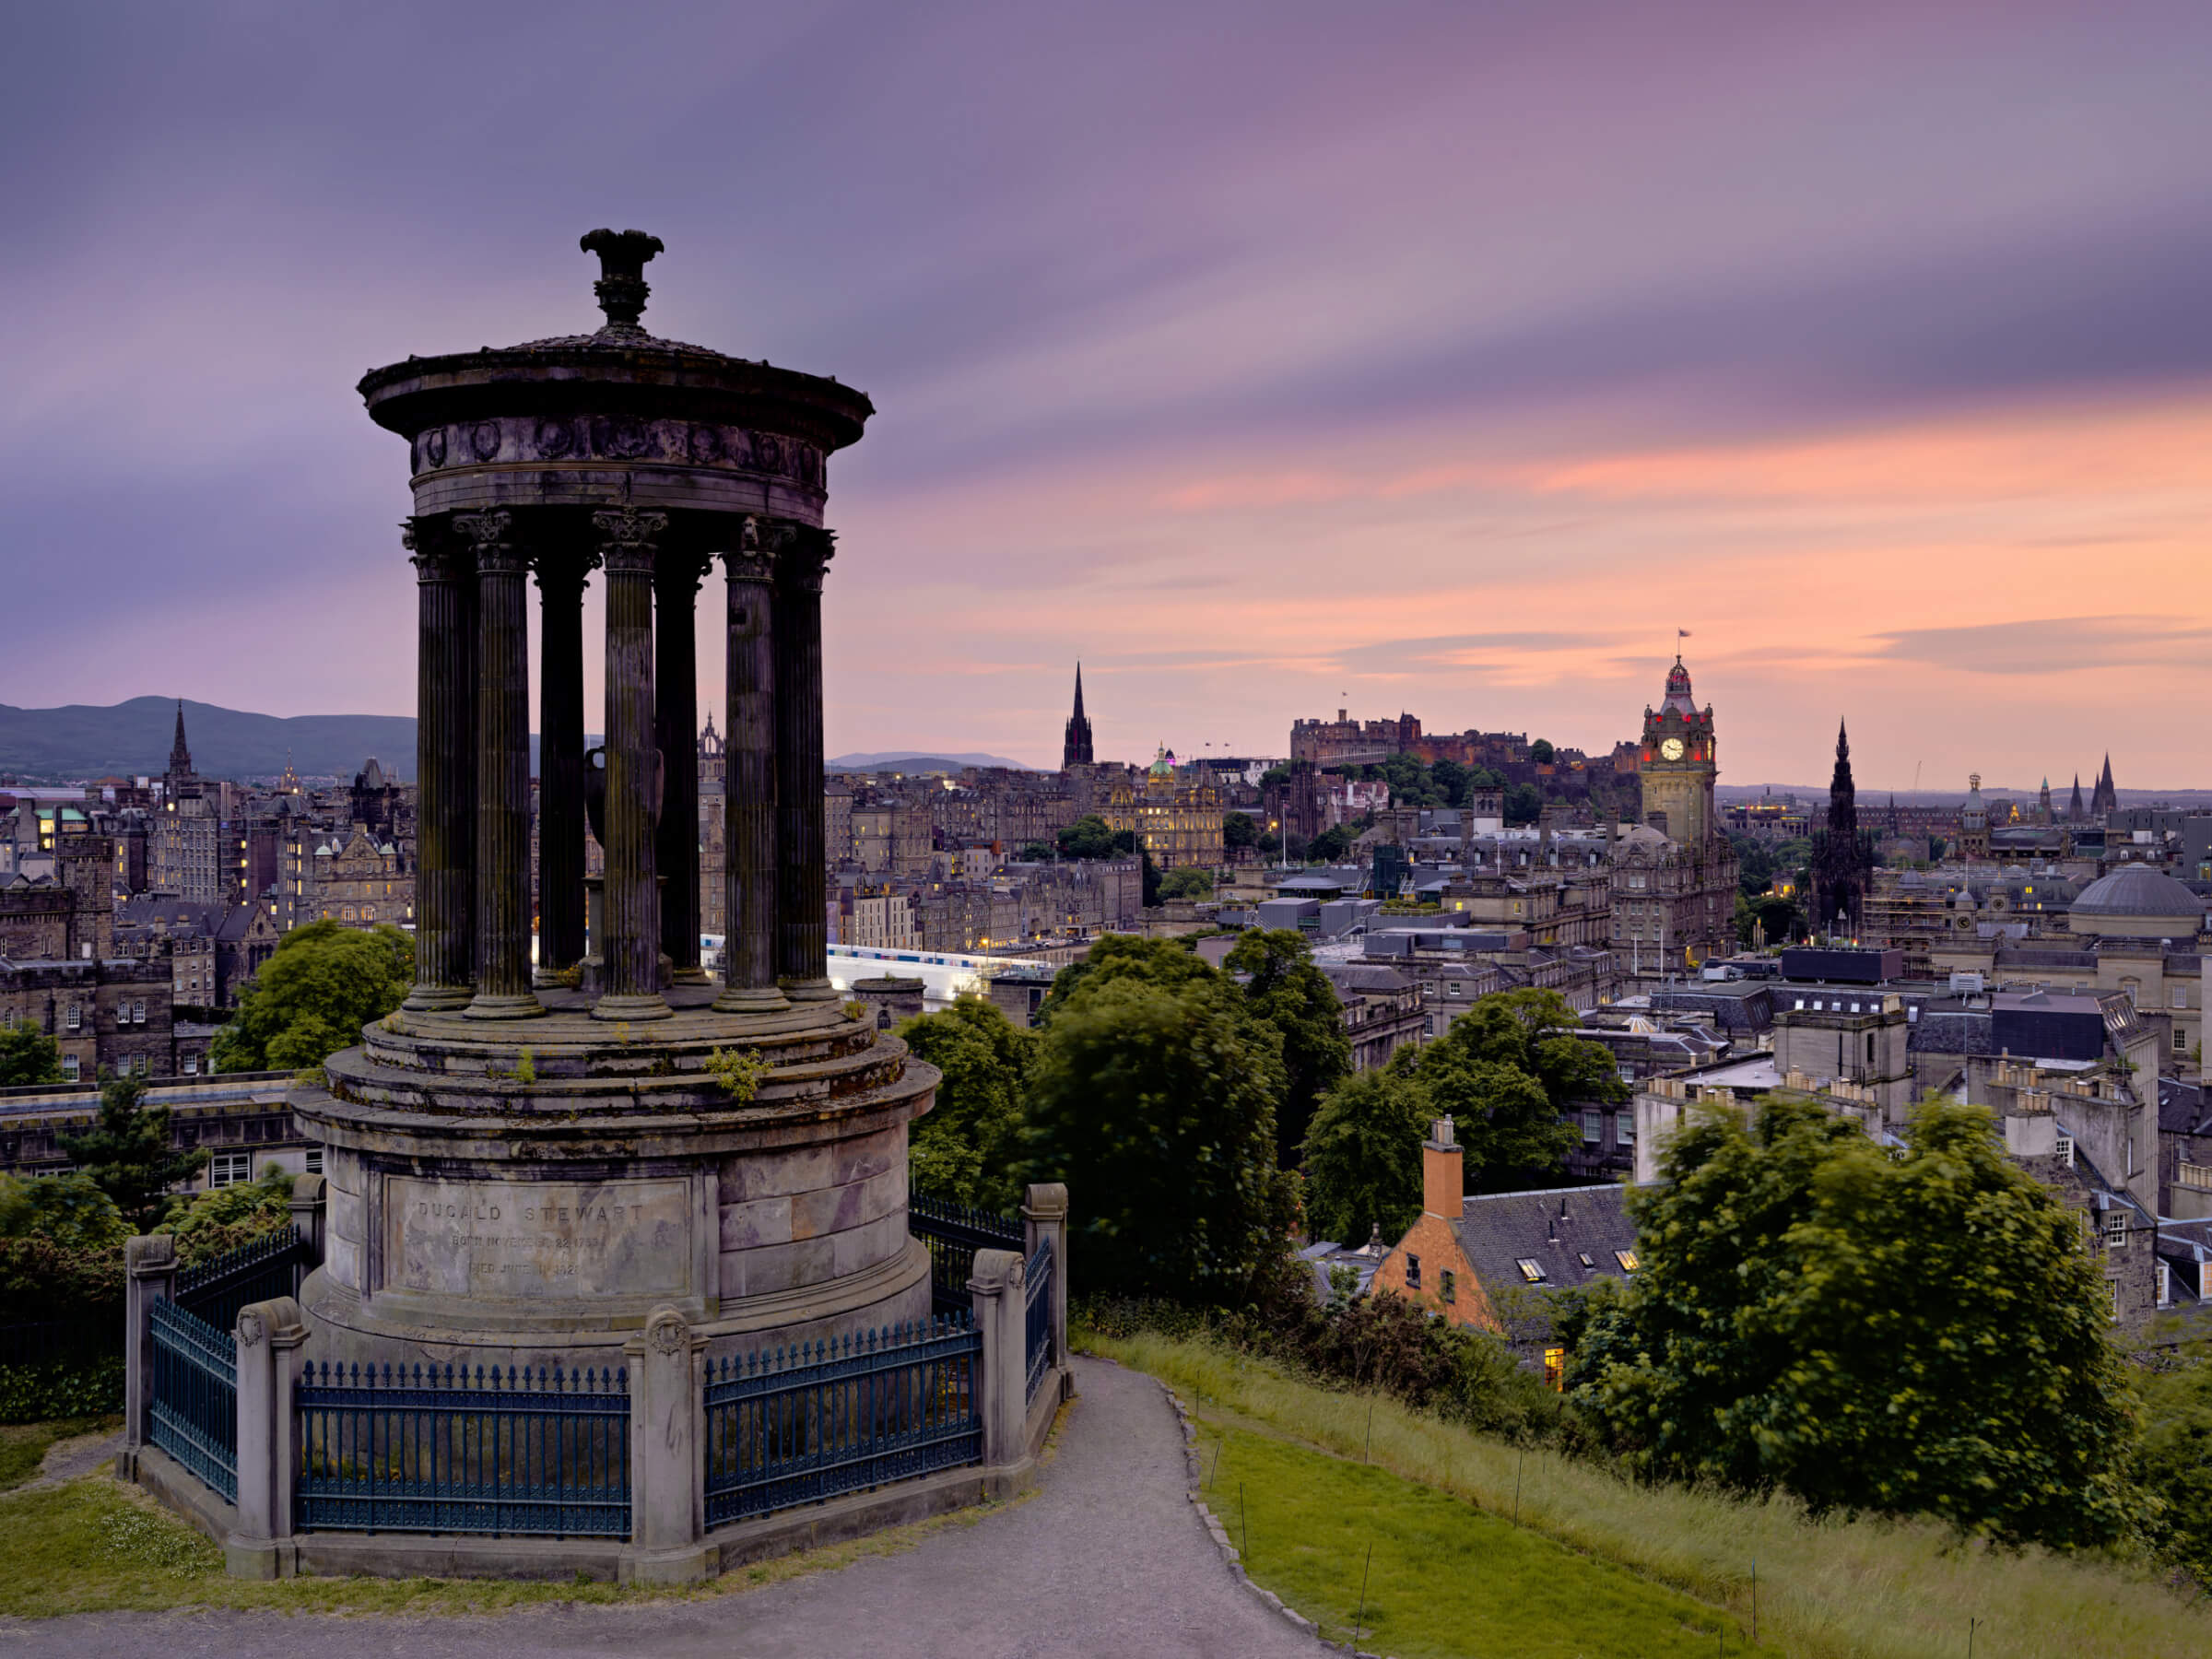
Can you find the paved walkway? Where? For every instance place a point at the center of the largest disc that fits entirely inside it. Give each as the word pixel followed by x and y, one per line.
pixel 1108 1558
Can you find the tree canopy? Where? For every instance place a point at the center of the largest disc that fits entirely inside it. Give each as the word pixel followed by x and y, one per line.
pixel 1541 751
pixel 1910 1331
pixel 27 1055
pixel 126 1152
pixel 970 1145
pixel 1239 831
pixel 1088 837
pixel 1294 997
pixel 1506 1071
pixel 1363 1157
pixel 1186 881
pixel 1155 1098
pixel 319 987
pixel 72 1212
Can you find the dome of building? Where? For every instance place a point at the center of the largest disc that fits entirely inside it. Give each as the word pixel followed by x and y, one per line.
pixel 2137 890
pixel 1163 765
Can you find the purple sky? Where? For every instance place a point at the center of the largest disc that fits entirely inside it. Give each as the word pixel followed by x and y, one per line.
pixel 1269 358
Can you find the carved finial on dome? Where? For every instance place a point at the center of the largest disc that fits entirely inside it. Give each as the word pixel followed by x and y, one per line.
pixel 621 287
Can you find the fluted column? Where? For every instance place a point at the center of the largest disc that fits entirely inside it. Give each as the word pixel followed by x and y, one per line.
pixel 561 572
pixel 445 828
pixel 502 771
pixel 633 951
pixel 748 979
pixel 802 929
pixel 677 576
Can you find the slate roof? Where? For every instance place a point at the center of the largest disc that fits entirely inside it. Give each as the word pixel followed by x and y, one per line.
pixel 1555 1227
pixel 2183 1108
pixel 2139 890
pixel 1951 1032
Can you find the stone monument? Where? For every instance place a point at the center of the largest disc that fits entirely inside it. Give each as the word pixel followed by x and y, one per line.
pixel 529 1157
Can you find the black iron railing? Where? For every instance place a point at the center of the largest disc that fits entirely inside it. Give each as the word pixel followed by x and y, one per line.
pixel 953 1233
pixel 192 1406
pixel 801 1424
pixel 432 1449
pixel 1038 1326
pixel 268 1266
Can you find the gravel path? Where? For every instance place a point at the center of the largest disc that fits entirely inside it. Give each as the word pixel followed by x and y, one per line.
pixel 1108 1558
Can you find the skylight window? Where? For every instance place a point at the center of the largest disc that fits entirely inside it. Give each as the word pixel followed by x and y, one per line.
pixel 1530 1269
pixel 1627 1258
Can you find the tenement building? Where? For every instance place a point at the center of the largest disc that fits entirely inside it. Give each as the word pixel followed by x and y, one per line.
pixel 1178 823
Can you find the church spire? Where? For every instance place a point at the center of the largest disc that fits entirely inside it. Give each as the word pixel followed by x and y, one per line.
pixel 179 757
pixel 2104 799
pixel 1075 747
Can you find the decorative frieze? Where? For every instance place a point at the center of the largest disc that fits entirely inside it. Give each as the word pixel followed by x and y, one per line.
pixel 541 439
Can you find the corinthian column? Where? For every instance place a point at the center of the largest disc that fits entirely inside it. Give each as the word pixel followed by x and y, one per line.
pixel 748 979
pixel 802 928
pixel 633 951
pixel 677 577
pixel 445 846
pixel 562 571
pixel 502 771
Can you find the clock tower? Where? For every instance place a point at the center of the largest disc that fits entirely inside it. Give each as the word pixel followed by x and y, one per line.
pixel 1676 764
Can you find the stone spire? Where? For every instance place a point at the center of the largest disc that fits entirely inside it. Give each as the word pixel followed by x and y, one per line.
pixel 180 756
pixel 1843 793
pixel 2075 810
pixel 2104 800
pixel 1075 747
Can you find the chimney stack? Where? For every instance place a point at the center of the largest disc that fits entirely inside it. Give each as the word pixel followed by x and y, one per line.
pixel 1443 1183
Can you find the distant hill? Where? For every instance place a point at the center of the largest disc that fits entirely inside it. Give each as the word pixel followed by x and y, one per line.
pixel 913 760
pixel 127 740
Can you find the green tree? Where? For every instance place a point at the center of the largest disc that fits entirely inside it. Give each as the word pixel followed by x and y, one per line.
pixel 1296 997
pixel 1037 853
pixel 1187 882
pixel 1541 751
pixel 27 1055
pixel 969 1147
pixel 319 987
pixel 1155 1103
pixel 72 1212
pixel 1088 837
pixel 1506 1072
pixel 1363 1158
pixel 2173 1461
pixel 1330 845
pixel 1275 776
pixel 1450 781
pixel 1754 864
pixel 1917 1331
pixel 1524 804
pixel 126 1153
pixel 1114 956
pixel 1240 831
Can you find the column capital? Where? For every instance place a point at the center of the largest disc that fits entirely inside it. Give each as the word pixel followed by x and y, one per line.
pixel 431 550
pixel 492 536
pixel 802 553
pixel 562 569
pixel 677 571
pixel 627 538
pixel 749 560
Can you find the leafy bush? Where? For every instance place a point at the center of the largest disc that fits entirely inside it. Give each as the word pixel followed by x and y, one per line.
pixel 40 1394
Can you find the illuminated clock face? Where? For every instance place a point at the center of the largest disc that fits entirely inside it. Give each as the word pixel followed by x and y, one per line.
pixel 1672 748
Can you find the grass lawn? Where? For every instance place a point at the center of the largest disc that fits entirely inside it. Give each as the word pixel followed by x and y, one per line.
pixel 1827 1589
pixel 91 1546
pixel 23 1445
pixel 1446 1580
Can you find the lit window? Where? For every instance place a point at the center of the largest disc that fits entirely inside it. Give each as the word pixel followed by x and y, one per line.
pixel 1627 1258
pixel 1530 1269
pixel 1555 1369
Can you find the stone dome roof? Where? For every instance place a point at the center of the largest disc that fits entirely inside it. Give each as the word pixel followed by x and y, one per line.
pixel 2138 890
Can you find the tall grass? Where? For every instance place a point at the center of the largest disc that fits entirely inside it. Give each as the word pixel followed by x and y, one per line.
pixel 1827 1589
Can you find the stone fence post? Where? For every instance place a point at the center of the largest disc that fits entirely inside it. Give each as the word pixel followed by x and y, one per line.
pixel 308 1213
pixel 996 1291
pixel 667 1452
pixel 1044 1216
pixel 269 1336
pixel 150 1264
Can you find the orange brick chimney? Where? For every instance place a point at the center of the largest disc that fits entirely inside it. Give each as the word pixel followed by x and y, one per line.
pixel 1443 1186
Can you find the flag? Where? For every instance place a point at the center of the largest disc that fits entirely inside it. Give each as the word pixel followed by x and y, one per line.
pixel 1681 633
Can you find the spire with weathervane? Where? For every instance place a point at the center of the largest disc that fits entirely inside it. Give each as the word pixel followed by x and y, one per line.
pixel 1075 747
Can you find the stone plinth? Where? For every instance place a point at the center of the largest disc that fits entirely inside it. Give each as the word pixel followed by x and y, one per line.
pixel 492 1201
